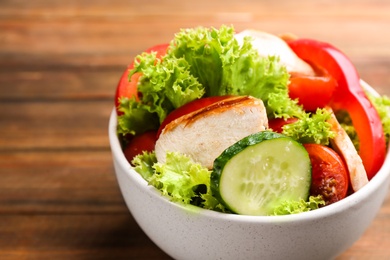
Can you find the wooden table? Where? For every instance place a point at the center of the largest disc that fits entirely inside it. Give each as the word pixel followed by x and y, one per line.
pixel 59 65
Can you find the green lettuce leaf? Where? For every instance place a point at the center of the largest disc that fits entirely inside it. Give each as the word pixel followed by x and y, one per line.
pixel 382 105
pixel 143 164
pixel 224 67
pixel 137 117
pixel 165 84
pixel 311 128
pixel 280 105
pixel 179 177
pixel 203 49
pixel 294 207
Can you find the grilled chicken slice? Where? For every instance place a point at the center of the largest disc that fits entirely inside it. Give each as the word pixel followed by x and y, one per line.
pixel 272 45
pixel 205 133
pixel 344 146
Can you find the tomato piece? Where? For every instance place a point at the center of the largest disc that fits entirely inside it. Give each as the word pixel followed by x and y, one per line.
pixel 277 124
pixel 329 173
pixel 139 143
pixel 349 96
pixel 128 88
pixel 312 92
pixel 188 108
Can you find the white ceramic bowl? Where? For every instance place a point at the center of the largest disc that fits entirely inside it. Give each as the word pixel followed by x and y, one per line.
pixel 188 232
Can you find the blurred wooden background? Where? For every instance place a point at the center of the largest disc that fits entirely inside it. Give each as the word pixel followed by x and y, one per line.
pixel 60 62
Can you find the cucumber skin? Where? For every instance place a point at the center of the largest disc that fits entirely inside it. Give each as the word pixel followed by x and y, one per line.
pixel 230 152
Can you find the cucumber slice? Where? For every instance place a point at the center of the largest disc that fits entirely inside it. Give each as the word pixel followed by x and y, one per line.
pixel 260 172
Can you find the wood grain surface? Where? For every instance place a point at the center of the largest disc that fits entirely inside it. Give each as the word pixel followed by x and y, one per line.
pixel 60 62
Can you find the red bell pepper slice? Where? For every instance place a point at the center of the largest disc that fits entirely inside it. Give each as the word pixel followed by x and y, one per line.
pixel 312 92
pixel 349 96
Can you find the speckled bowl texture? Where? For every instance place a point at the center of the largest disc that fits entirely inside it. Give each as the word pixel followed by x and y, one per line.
pixel 188 232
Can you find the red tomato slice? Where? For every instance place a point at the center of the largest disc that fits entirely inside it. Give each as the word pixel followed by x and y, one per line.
pixel 277 124
pixel 329 174
pixel 188 108
pixel 128 88
pixel 312 92
pixel 139 143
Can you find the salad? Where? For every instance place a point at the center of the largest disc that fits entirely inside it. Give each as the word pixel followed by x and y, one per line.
pixel 249 122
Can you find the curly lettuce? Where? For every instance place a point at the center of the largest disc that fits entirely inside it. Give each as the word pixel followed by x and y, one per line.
pixel 204 62
pixel 311 128
pixel 165 84
pixel 382 105
pixel 224 67
pixel 143 164
pixel 295 207
pixel 179 178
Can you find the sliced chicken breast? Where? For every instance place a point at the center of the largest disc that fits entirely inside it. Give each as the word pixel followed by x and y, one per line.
pixel 204 134
pixel 271 45
pixel 344 146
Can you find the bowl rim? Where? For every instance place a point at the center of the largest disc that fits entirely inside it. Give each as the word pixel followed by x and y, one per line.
pixel 348 202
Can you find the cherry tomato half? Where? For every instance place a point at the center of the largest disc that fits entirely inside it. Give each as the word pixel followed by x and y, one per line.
pixel 128 88
pixel 329 174
pixel 139 143
pixel 277 124
pixel 188 108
